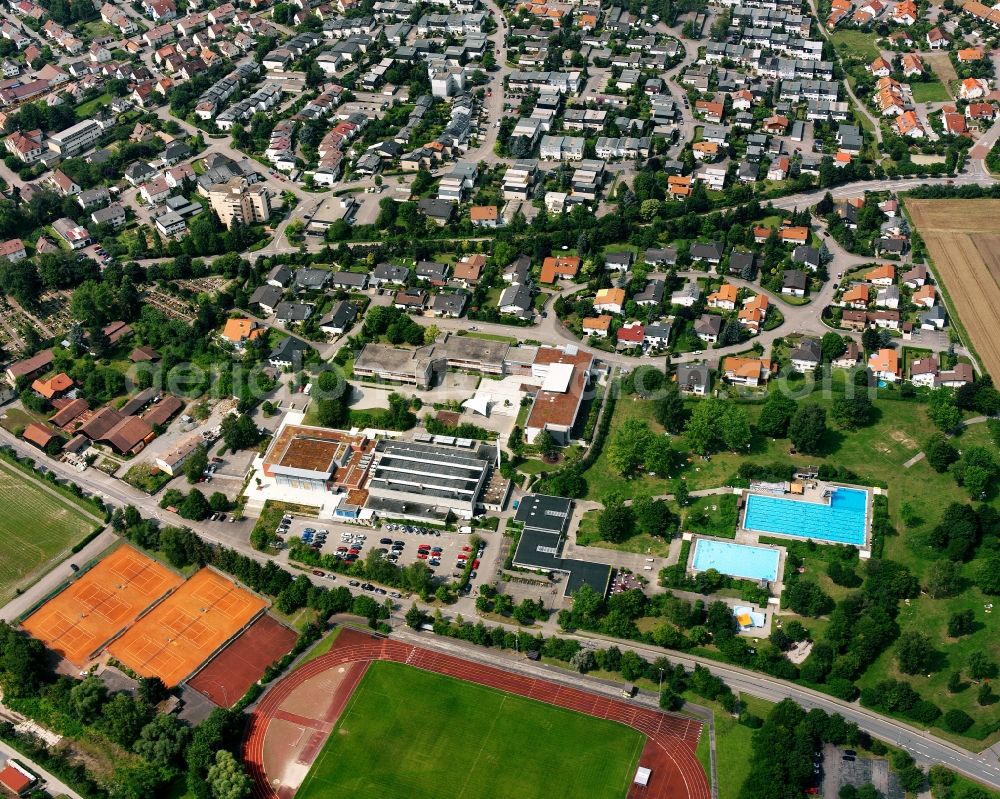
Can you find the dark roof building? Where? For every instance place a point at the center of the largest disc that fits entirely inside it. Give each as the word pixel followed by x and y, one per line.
pixel 545 521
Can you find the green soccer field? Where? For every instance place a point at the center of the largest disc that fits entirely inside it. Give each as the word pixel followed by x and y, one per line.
pixel 413 734
pixel 35 527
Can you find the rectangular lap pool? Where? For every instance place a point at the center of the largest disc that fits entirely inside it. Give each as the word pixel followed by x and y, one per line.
pixel 736 560
pixel 843 521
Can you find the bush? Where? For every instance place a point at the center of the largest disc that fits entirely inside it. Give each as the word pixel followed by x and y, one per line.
pixel 957 720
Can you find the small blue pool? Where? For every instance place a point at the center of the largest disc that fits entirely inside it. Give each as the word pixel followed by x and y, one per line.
pixel 843 521
pixel 736 560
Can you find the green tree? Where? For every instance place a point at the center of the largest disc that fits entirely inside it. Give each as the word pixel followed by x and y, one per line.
pixel 914 652
pixel 980 667
pixel 87 698
pixel 940 453
pixel 669 408
pixel 627 450
pixel 807 429
pixel 832 346
pixel 616 522
pixel 196 464
pixel 734 428
pixel 944 578
pixel 701 429
pixel 546 444
pixel 943 412
pixel 776 414
pixel 415 617
pixel 162 742
pixel 988 575
pixel 123 718
pixel 226 778
pixel 960 623
pixel 240 431
pixel 194 507
pixel 850 413
pixel 984 695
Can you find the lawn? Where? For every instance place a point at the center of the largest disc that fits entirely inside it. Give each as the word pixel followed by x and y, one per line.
pixel 411 733
pixel 587 535
pixel 713 515
pixel 88 108
pixel 35 528
pixel 930 92
pixel 733 743
pixel 855 44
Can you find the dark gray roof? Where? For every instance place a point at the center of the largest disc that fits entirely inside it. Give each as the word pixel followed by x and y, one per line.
pixel 293 311
pixel 431 270
pixel 807 350
pixel 350 279
pixel 390 273
pixel 518 296
pixel 806 255
pixel 664 255
pixel 544 513
pixel 306 278
pixel 289 350
pixel 280 274
pixel 341 315
pixel 693 375
pixel 737 260
pixel 266 295
pixel 710 251
pixel 437 209
pixel 653 293
pixel 795 279
pixel 708 323
pixel 450 303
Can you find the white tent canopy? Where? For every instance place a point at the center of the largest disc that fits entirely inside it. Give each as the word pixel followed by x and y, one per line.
pixel 478 404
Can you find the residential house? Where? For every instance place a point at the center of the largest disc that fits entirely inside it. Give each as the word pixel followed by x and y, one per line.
pixel 751 372
pixel 708 327
pixel 724 298
pixel 694 378
pixel 687 296
pixel 884 365
pixel 596 325
pixel 849 358
pixel 610 300
pixel 794 282
pixel 806 356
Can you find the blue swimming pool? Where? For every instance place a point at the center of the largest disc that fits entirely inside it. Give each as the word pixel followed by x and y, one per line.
pixel 843 521
pixel 736 560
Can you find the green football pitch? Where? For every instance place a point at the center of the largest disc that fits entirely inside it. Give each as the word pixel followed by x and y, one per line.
pixel 409 733
pixel 35 527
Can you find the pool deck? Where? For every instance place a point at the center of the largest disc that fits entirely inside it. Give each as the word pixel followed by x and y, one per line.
pixel 813 495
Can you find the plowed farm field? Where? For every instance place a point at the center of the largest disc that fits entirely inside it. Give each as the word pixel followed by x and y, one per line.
pixel 963 241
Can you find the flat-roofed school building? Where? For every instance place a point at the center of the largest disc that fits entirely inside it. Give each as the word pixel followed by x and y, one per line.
pixel 546 520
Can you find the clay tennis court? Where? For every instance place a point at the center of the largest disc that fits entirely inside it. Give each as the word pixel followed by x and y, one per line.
pixel 291 723
pixel 105 600
pixel 230 673
pixel 183 631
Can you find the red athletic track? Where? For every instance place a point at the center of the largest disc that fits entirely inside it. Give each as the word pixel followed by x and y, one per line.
pixel 670 744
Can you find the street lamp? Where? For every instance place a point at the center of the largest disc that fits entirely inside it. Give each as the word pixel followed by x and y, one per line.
pixel 659 688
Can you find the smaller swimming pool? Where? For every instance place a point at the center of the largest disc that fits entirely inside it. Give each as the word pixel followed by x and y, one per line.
pixel 736 560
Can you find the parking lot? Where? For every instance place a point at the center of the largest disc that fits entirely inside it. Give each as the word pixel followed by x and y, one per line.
pixel 443 552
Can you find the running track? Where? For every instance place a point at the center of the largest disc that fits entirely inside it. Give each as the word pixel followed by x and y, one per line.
pixel 670 745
